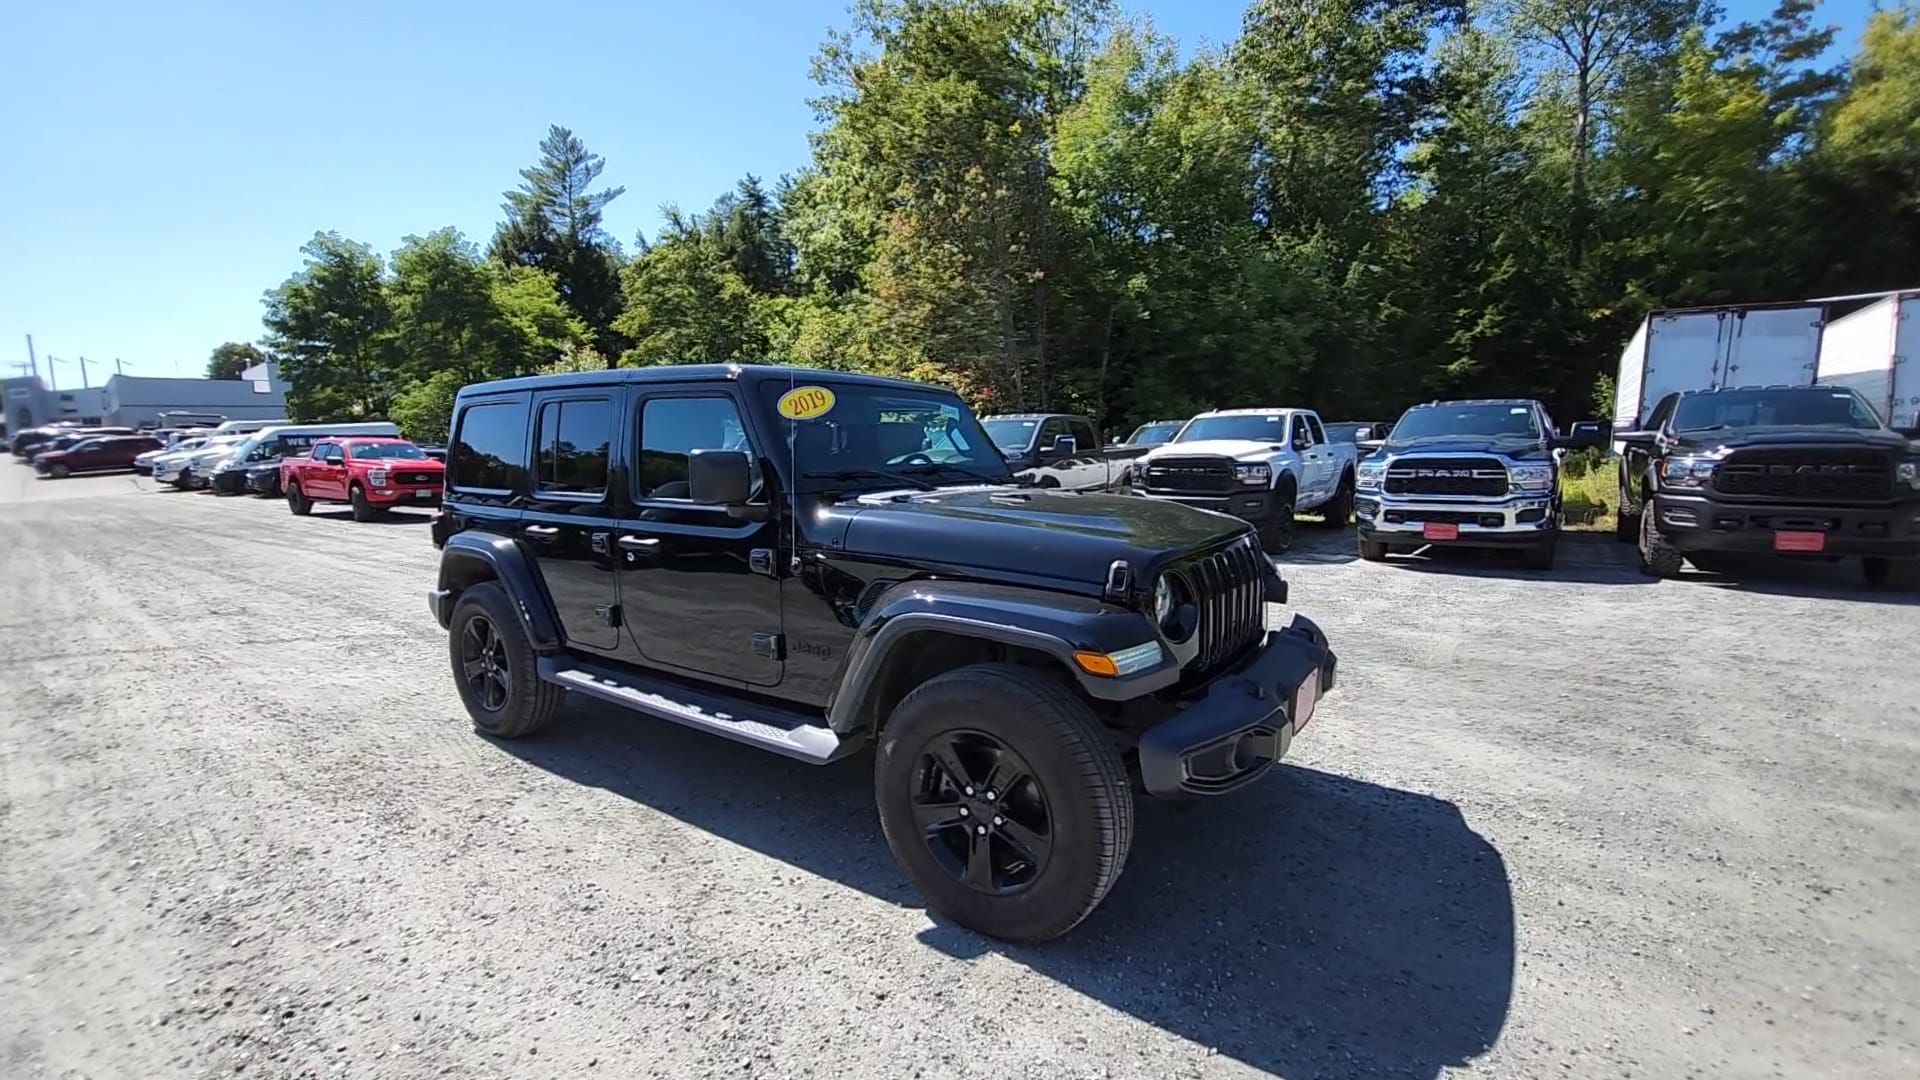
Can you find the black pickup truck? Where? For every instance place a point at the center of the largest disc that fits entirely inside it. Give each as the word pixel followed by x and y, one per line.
pixel 1808 471
pixel 816 563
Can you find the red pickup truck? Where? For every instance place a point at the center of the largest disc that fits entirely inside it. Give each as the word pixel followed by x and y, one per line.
pixel 372 474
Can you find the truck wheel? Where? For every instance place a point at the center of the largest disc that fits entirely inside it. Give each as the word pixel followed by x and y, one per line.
pixel 1339 510
pixel 58 472
pixel 1626 527
pixel 1657 557
pixel 362 509
pixel 494 667
pixel 1373 550
pixel 1893 575
pixel 297 500
pixel 182 480
pixel 1540 556
pixel 1276 533
pixel 1003 799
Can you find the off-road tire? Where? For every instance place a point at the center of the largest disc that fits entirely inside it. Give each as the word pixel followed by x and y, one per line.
pixel 362 509
pixel 297 500
pixel 1339 509
pixel 532 702
pixel 1373 551
pixel 1085 785
pixel 1891 575
pixel 1540 556
pixel 1626 527
pixel 1276 532
pixel 1657 557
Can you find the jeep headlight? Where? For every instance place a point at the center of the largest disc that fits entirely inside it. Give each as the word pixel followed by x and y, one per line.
pixel 1908 473
pixel 1686 472
pixel 1252 474
pixel 1530 477
pixel 1163 600
pixel 1368 475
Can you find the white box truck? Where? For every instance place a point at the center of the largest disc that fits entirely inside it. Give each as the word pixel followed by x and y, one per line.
pixel 1703 348
pixel 1875 352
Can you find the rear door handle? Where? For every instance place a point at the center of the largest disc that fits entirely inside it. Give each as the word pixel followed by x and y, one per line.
pixel 647 544
pixel 543 532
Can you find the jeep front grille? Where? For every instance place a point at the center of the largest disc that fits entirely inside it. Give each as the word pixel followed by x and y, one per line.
pixel 1805 473
pixel 1473 476
pixel 1229 591
pixel 1189 475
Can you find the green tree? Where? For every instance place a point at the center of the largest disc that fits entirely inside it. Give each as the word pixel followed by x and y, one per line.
pixel 553 223
pixel 333 324
pixel 232 358
pixel 424 410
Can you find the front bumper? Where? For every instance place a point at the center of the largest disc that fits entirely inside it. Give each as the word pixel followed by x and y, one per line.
pixel 1514 521
pixel 1704 523
pixel 1254 505
pixel 403 496
pixel 440 602
pixel 1244 720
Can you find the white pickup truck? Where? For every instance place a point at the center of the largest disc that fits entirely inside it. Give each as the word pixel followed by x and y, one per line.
pixel 1261 465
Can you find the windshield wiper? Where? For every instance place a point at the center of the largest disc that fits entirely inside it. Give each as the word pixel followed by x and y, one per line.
pixel 922 470
pixel 869 474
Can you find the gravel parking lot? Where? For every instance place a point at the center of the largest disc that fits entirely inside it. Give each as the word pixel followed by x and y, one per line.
pixel 1570 824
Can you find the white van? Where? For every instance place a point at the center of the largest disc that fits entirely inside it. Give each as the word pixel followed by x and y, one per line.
pixel 247 427
pixel 273 443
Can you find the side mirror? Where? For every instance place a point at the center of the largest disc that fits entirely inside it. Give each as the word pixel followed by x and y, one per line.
pixel 1366 447
pixel 1643 439
pixel 719 477
pixel 1066 444
pixel 1586 435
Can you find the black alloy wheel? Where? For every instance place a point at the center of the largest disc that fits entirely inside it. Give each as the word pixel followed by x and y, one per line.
pixel 982 812
pixel 483 664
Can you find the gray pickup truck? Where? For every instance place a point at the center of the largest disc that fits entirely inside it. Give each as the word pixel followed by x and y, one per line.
pixel 1059 450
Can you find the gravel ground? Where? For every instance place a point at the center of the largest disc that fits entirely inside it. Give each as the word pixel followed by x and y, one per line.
pixel 1568 824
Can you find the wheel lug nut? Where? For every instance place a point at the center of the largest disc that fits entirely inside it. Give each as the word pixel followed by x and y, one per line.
pixel 992 794
pixel 997 820
pixel 981 829
pixel 969 792
pixel 964 811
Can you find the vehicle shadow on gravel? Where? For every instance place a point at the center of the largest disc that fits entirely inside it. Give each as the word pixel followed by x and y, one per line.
pixel 1583 559
pixel 397 518
pixel 1796 578
pixel 1312 926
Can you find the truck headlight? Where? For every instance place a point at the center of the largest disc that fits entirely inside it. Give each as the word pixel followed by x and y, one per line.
pixel 1368 475
pixel 1686 472
pixel 1530 477
pixel 377 477
pixel 1252 474
pixel 1908 473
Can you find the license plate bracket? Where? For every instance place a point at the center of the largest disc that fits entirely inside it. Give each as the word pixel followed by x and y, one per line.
pixel 1799 540
pixel 1440 530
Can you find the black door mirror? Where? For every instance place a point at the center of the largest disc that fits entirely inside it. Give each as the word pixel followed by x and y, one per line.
pixel 719 477
pixel 1066 445
pixel 1644 440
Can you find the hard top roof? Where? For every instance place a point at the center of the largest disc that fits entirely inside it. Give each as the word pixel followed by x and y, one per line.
pixel 747 374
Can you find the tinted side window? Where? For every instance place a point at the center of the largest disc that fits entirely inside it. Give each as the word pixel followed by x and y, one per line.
pixel 489 445
pixel 1662 412
pixel 1052 429
pixel 1313 428
pixel 574 440
pixel 1082 433
pixel 671 428
pixel 1301 437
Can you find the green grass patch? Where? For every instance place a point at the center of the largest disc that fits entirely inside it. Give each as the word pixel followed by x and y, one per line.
pixel 1588 493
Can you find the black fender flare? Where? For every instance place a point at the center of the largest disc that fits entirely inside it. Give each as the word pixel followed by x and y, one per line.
pixel 1057 625
pixel 471 556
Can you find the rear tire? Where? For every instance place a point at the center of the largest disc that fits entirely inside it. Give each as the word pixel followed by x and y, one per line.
pixel 485 632
pixel 1070 809
pixel 1657 557
pixel 1373 551
pixel 1891 575
pixel 1339 510
pixel 362 509
pixel 297 500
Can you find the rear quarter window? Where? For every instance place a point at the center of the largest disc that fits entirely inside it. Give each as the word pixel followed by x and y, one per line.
pixel 489 447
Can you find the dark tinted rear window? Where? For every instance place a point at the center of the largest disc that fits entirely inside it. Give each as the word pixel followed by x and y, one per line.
pixel 489 446
pixel 575 438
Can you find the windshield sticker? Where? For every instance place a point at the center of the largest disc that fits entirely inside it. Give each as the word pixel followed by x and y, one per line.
pixel 1518 411
pixel 806 402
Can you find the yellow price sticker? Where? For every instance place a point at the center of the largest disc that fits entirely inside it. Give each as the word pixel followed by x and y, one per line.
pixel 806 402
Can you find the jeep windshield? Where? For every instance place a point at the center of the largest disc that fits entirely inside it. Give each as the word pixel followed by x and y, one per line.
pixel 1467 421
pixel 884 436
pixel 1251 427
pixel 1808 407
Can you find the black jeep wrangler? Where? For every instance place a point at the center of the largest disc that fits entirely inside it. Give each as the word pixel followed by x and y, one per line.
pixel 1807 471
pixel 812 562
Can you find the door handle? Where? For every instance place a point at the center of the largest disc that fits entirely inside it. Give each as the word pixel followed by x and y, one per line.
pixel 543 532
pixel 649 544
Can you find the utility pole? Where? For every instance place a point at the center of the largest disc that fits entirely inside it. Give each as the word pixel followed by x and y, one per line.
pixel 32 361
pixel 120 368
pixel 83 373
pixel 53 375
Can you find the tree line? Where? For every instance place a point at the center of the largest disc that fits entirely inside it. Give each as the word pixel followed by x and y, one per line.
pixel 1354 205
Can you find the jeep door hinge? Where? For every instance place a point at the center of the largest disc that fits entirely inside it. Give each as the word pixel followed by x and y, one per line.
pixel 609 613
pixel 771 646
pixel 760 561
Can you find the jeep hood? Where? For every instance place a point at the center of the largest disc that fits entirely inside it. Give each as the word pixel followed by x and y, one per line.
pixel 1518 447
pixel 1033 531
pixel 1228 448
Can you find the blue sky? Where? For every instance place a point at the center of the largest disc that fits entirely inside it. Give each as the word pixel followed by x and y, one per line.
pixel 160 165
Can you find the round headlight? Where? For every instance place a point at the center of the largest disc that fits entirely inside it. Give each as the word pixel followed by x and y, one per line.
pixel 1162 600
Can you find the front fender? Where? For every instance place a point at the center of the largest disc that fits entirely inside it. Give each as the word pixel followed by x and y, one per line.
pixel 1056 624
pixel 471 557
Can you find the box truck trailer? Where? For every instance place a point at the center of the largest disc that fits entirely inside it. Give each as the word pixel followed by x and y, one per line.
pixel 1875 352
pixel 1703 348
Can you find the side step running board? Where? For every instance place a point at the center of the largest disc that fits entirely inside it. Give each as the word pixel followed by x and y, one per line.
pixel 787 733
